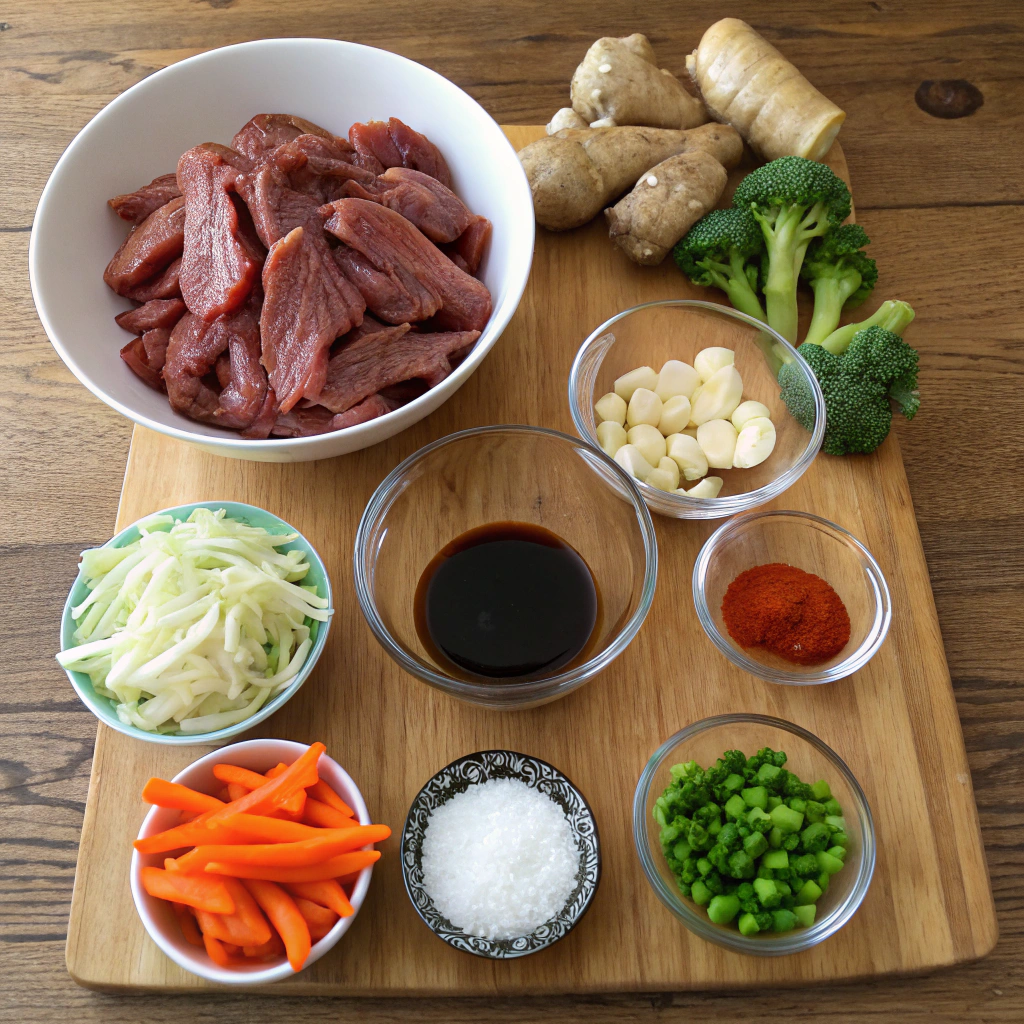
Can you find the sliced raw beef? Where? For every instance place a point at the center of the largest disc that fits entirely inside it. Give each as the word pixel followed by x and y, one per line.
pixel 308 304
pixel 259 429
pixel 222 257
pixel 265 132
pixel 150 247
pixel 397 297
pixel 165 285
pixel 155 313
pixel 398 251
pixel 380 145
pixel 194 349
pixel 138 205
pixel 471 244
pixel 437 211
pixel 146 356
pixel 318 420
pixel 376 359
pixel 318 167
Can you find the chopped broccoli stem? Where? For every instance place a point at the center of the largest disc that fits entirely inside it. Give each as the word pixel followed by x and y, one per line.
pixel 767 892
pixel 775 838
pixel 804 913
pixel 700 894
pixel 755 796
pixel 755 844
pixel 735 806
pixel 828 863
pixel 839 852
pixel 722 909
pixel 777 859
pixel 783 920
pixel 810 892
pixel 748 925
pixel 787 819
pixel 821 790
pixel 773 802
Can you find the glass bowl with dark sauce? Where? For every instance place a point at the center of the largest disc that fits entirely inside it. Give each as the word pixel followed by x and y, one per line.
pixel 506 565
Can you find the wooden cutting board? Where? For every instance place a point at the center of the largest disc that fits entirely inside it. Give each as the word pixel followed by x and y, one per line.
pixel 894 722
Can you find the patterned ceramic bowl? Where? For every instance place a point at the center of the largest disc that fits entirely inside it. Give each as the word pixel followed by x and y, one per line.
pixel 457 778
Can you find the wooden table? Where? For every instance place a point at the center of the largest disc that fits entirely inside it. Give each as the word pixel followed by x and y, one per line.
pixel 939 197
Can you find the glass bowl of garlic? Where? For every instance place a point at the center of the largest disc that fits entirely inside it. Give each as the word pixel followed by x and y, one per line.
pixel 684 396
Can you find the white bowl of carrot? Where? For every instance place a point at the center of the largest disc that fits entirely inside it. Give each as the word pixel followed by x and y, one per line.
pixel 253 861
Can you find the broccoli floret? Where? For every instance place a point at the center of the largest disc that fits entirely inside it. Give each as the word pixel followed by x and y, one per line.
pixel 857 387
pixel 722 251
pixel 794 200
pixel 730 837
pixel 892 314
pixel 884 357
pixel 840 275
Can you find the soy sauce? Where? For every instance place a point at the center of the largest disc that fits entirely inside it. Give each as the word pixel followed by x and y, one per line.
pixel 506 600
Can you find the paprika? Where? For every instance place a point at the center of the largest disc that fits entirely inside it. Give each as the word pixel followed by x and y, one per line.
pixel 787 611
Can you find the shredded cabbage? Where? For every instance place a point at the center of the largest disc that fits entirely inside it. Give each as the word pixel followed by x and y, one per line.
pixel 196 625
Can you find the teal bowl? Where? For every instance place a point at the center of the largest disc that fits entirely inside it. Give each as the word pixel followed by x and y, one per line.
pixel 103 707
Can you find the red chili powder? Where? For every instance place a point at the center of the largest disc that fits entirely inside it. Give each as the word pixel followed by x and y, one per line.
pixel 792 613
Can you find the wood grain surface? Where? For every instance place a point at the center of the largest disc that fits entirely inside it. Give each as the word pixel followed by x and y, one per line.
pixel 929 902
pixel 939 197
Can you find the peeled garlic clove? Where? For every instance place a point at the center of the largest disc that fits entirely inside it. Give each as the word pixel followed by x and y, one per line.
pixel 641 377
pixel 684 451
pixel 611 436
pixel 717 439
pixel 675 414
pixel 693 401
pixel 630 459
pixel 644 407
pixel 747 411
pixel 665 477
pixel 676 378
pixel 707 488
pixel 755 443
pixel 611 407
pixel 689 431
pixel 710 360
pixel 719 396
pixel 649 441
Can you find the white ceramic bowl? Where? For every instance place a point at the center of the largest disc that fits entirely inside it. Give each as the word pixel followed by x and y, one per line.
pixel 208 98
pixel 157 915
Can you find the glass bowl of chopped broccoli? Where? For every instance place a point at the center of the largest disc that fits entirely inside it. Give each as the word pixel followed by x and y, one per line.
pixel 754 833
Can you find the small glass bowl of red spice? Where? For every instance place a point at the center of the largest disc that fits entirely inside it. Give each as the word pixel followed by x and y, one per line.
pixel 791 597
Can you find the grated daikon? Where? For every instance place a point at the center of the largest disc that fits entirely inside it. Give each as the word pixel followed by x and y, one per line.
pixel 499 860
pixel 195 625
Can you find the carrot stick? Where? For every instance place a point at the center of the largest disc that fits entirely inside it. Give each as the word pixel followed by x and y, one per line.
pixel 222 795
pixel 187 922
pixel 258 828
pixel 243 776
pixel 236 791
pixel 210 894
pixel 324 816
pixel 300 774
pixel 193 834
pixel 245 927
pixel 322 792
pixel 178 797
pixel 343 864
pixel 217 953
pixel 318 919
pixel 277 770
pixel 327 893
pixel 285 917
pixel 300 854
pixel 273 948
pixel 297 802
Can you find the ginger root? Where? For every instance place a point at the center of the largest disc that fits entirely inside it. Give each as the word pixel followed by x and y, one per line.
pixel 666 202
pixel 619 83
pixel 575 173
pixel 565 117
pixel 747 83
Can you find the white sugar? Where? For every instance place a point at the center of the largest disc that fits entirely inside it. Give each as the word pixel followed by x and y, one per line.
pixel 499 860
